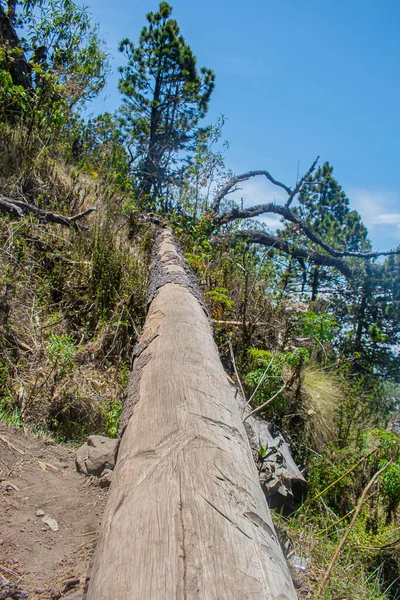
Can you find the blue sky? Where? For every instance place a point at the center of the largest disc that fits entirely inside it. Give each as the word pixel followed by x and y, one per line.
pixel 294 79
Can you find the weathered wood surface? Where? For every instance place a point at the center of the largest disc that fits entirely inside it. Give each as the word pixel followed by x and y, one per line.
pixel 186 517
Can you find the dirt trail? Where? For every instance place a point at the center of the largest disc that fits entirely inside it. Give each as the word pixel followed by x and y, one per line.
pixel 38 480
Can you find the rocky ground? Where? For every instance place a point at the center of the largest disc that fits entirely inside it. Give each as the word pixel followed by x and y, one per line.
pixel 49 519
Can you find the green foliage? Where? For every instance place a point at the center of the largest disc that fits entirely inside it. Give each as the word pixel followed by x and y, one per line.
pixel 112 414
pixel 390 485
pixel 101 150
pixel 106 270
pixel 67 68
pixel 9 412
pixel 322 326
pixel 73 52
pixel 205 171
pixel 324 206
pixel 378 446
pixel 329 466
pixel 62 349
pixel 219 299
pixel 14 99
pixel 272 369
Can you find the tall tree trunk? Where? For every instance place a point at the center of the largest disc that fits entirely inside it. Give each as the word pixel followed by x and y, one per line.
pixel 19 68
pixel 361 319
pixel 186 517
pixel 149 174
pixel 315 284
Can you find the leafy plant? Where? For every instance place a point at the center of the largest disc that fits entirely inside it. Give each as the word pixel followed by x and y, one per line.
pixel 112 414
pixel 61 350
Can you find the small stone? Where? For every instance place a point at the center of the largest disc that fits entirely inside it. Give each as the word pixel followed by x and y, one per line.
pixel 106 478
pixel 40 513
pixel 52 523
pixel 95 456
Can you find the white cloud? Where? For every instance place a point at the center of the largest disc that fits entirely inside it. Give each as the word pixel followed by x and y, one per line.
pixel 376 207
pixel 379 210
pixel 271 222
pixel 388 219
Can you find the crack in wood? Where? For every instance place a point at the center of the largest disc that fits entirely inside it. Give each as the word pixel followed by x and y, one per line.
pixel 237 486
pixel 141 346
pixel 226 517
pixel 233 430
pixel 183 547
pixel 133 392
pixel 259 522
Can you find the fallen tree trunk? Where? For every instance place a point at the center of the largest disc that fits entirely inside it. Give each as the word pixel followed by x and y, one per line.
pixel 186 517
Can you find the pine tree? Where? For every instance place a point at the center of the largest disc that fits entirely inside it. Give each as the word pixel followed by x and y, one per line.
pixel 324 206
pixel 367 307
pixel 165 96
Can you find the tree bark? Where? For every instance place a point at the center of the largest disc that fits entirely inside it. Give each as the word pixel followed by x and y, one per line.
pixel 19 209
pixel 186 517
pixel 315 284
pixel 19 68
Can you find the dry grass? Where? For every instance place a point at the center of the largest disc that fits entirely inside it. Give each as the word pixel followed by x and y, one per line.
pixel 321 398
pixel 71 303
pixel 351 580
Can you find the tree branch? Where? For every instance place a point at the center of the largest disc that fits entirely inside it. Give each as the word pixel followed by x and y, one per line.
pixel 286 213
pixel 300 183
pixel 227 188
pixel 19 209
pixel 264 239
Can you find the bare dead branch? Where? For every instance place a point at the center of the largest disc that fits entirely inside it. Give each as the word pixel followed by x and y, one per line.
pixel 283 211
pixel 228 187
pixel 86 212
pixel 10 208
pixel 286 213
pixel 300 183
pixel 235 369
pixel 265 239
pixel 19 209
pixel 285 385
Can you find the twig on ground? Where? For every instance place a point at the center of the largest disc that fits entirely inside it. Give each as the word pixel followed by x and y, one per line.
pixel 10 445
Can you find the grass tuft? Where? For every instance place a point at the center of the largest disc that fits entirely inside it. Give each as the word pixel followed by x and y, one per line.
pixel 322 396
